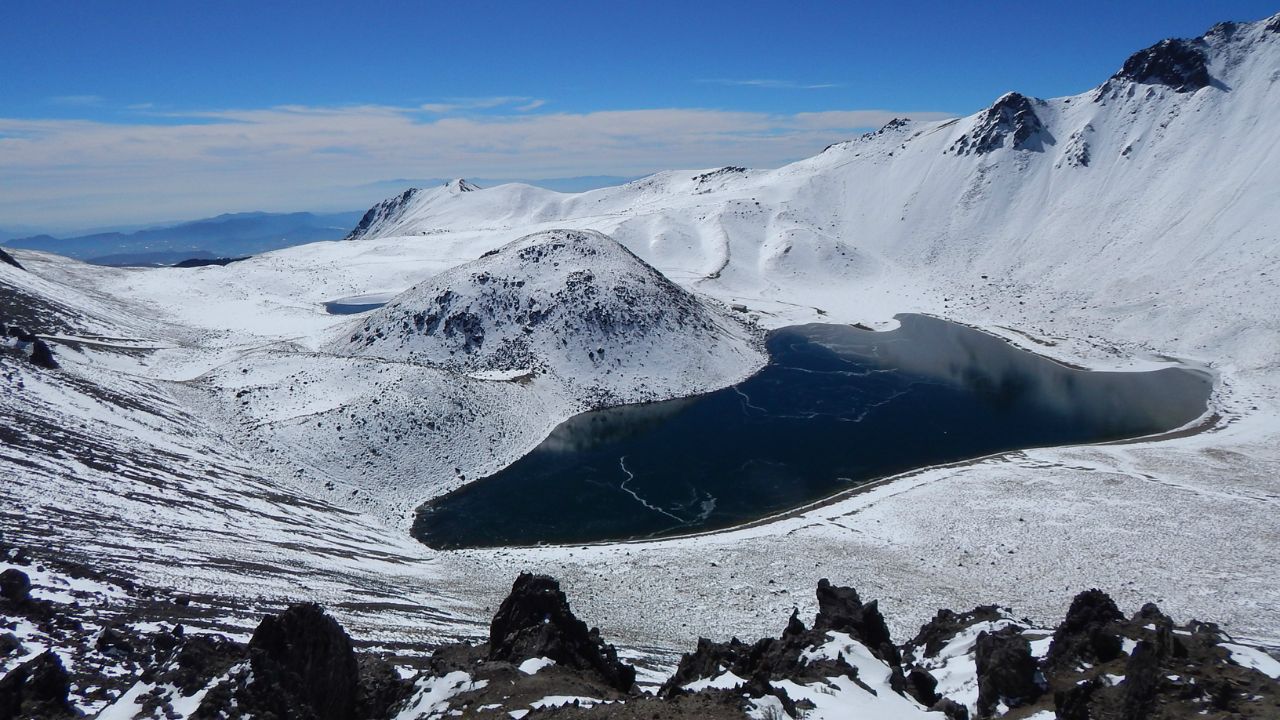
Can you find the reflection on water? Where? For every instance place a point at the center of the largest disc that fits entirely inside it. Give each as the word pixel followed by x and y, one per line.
pixel 836 407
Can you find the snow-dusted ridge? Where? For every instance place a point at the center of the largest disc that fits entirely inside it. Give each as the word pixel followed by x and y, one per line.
pixel 207 417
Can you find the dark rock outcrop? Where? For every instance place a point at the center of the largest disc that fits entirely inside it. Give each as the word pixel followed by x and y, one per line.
pixel 42 355
pixel 841 610
pixel 303 666
pixel 1178 64
pixel 1073 702
pixel 382 212
pixel 1088 634
pixel 535 621
pixel 15 586
pixel 935 634
pixel 8 259
pixel 1006 670
pixel 36 689
pixel 1012 116
pixel 380 688
pixel 9 644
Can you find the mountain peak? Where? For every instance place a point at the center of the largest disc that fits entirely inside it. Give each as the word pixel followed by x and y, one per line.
pixel 1012 115
pixel 461 185
pixel 379 213
pixel 1178 64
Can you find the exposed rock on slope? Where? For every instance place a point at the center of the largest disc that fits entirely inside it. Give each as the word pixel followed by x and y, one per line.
pixel 570 303
pixel 8 259
pixel 1179 64
pixel 389 212
pixel 1012 116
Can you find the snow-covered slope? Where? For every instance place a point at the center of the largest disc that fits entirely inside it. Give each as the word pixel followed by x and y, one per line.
pixel 1129 224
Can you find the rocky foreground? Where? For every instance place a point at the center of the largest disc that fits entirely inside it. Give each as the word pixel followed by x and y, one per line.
pixel 74 643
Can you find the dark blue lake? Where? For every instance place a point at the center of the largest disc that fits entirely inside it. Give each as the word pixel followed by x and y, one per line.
pixel 836 407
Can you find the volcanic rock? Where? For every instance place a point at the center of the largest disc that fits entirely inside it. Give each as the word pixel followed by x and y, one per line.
pixel 1088 634
pixel 535 621
pixel 1006 670
pixel 36 689
pixel 303 666
pixel 15 586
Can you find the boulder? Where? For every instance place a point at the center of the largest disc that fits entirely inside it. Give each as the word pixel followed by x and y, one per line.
pixel 15 586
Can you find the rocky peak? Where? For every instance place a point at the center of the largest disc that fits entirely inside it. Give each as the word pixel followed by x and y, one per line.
pixel 461 185
pixel 1178 64
pixel 382 212
pixel 1012 116
pixel 535 621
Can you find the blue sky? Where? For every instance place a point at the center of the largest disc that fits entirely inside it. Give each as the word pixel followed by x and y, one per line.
pixel 130 111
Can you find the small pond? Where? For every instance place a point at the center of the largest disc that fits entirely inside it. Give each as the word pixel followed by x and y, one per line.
pixel 836 407
pixel 357 304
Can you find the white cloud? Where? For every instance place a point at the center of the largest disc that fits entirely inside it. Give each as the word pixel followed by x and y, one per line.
pixel 77 100
pixel 297 157
pixel 457 105
pixel 773 84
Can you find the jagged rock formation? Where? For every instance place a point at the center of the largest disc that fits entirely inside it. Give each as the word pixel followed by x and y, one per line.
pixel 1178 64
pixel 8 259
pixel 1012 116
pixel 381 212
pixel 535 621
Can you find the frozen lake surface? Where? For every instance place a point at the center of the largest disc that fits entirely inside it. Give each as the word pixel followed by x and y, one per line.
pixel 837 406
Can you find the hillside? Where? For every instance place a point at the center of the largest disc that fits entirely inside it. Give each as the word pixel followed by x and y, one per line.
pixel 215 429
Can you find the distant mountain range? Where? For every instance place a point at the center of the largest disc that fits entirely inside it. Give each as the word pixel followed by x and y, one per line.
pixel 228 235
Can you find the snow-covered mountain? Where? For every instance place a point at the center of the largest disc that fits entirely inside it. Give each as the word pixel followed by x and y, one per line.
pixel 1118 193
pixel 574 304
pixel 235 437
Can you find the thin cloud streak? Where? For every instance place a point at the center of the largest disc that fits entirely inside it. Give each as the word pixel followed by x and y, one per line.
pixel 773 84
pixel 298 157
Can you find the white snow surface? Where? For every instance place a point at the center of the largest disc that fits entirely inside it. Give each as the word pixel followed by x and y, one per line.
pixel 218 432
pixel 533 665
